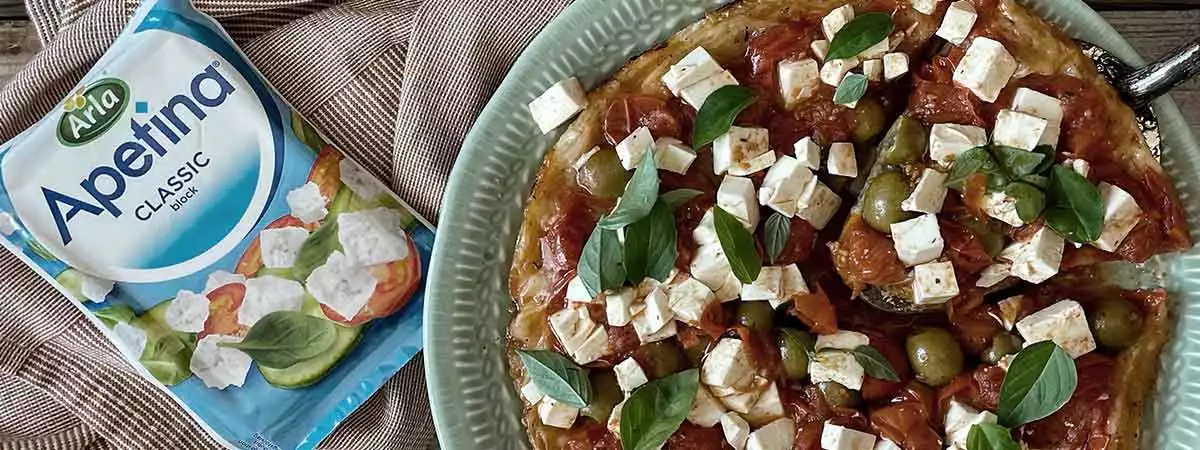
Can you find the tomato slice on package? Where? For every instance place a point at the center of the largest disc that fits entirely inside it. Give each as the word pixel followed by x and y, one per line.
pixel 326 172
pixel 398 280
pixel 223 305
pixel 251 261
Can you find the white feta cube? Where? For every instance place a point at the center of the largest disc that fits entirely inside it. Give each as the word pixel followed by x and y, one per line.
pixel 836 19
pixel 671 155
pixel 838 367
pixel 793 285
pixel 1121 214
pixel 729 290
pixel 710 266
pixel 658 309
pixel 782 186
pixel 985 69
pixel 531 393
pixel 1037 259
pixel 130 340
pixel 777 435
pixel 372 236
pixel 737 197
pixel 343 287
pixel 767 408
pixel 646 334
pixel 1064 323
pixel 959 420
pixel 280 246
pixel 1010 309
pixel 630 375
pixel 631 149
pixel 947 140
pixel 618 306
pixel 798 80
pixel 614 419
pixel 562 101
pixel 579 334
pixel 934 283
pixel 808 153
pixel 727 365
pixel 926 7
pixel 1018 130
pixel 94 288
pixel 1003 207
pixel 1080 166
pixel 742 151
pixel 1037 104
pixel 307 204
pixel 895 65
pixel 268 294
pixel 837 437
pixel 697 93
pixel 360 182
pixel 557 414
pixel 740 399
pixel 918 240
pixel 735 429
pixel 957 22
pixel 595 347
pixel 873 69
pixel 929 195
pixel 706 410
pixel 993 274
pixel 819 48
pixel 187 312
pixel 705 232
pixel 884 444
pixel 222 278
pixel 8 224
pixel 219 367
pixel 842 161
pixel 841 340
pixel 689 298
pixel 876 51
pixel 818 204
pixel 835 70
pixel 577 292
pixel 768 285
pixel 694 67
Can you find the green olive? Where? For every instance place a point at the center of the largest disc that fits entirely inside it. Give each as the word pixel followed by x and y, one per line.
pixel 757 315
pixel 934 355
pixel 1116 323
pixel 793 351
pixel 904 141
pixel 660 359
pixel 992 238
pixel 606 393
pixel 1003 344
pixel 868 119
pixel 602 175
pixel 837 395
pixel 881 201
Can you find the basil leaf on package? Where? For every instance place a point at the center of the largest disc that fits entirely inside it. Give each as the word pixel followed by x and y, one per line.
pixel 1016 161
pixel 284 338
pixel 1039 381
pixel 650 245
pixel 989 436
pixel 601 264
pixel 640 195
pixel 875 364
pixel 969 162
pixel 557 377
pixel 718 112
pixel 851 89
pixel 168 357
pixel 776 231
pixel 860 34
pixel 322 242
pixel 1030 200
pixel 1075 210
pixel 112 315
pixel 654 411
pixel 678 197
pixel 738 245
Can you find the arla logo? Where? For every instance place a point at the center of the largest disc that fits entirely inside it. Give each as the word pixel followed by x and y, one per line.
pixel 91 111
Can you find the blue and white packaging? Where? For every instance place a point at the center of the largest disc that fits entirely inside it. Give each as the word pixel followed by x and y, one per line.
pixel 269 284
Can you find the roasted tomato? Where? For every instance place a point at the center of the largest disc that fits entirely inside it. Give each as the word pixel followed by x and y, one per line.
pixel 815 310
pixel 251 260
pixel 397 281
pixel 327 173
pixel 865 257
pixel 874 389
pixel 223 305
pixel 1083 421
pixel 694 437
pixel 963 248
pixel 630 112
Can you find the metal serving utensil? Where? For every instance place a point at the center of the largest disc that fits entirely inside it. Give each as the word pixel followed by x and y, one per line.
pixel 1137 86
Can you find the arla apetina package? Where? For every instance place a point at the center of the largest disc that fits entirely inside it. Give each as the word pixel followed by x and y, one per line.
pixel 267 282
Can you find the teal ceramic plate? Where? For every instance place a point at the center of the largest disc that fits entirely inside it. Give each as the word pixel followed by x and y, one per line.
pixel 467 310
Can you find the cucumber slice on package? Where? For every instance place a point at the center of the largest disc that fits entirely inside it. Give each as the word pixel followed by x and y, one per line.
pixel 309 372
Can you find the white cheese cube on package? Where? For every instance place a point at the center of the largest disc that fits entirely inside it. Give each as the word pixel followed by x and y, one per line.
pixel 1037 259
pixel 268 294
pixel 131 340
pixel 1079 165
pixel 658 309
pixel 985 69
pixel 835 70
pixel 740 399
pixel 280 246
pixel 957 22
pixel 729 290
pixel 671 155
pixel 373 236
pixel 777 435
pixel 1037 104
pixel 742 151
pixel 959 420
pixel 808 153
pixel 221 278
pixel 993 274
pixel 819 48
pixel 307 204
pixel 95 288
pixel 782 186
pixel 697 93
pixel 875 51
pixel 929 194
pixel 360 182
pixel 648 334
pixel 836 19
pixel 631 149
pixel 842 161
pixel 706 410
pixel 582 338
pixel 727 365
pixel 934 283
pixel 837 437
pixel 562 101
pixel 8 224
pixel 630 375
pixel 737 197
pixel 557 414
pixel 873 69
pixel 735 429
pixel 343 287
pixel 818 204
pixel 947 140
pixel 792 283
pixel 895 65
pixel 219 367
pixel 1121 214
pixel 918 240
pixel 1064 322
pixel 187 312
pixel 798 80
pixel 688 298
pixel 694 67
pixel 1018 130
pixel 839 367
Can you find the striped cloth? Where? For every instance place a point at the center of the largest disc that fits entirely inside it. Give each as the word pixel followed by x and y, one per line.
pixel 351 67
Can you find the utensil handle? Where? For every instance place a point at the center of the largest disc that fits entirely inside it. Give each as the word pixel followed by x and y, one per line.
pixel 1148 83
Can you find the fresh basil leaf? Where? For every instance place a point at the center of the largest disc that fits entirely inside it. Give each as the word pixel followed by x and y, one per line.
pixel 851 89
pixel 601 265
pixel 1041 181
pixel 1017 162
pixel 738 245
pixel 860 34
pixel 1075 210
pixel 168 357
pixel 968 163
pixel 776 231
pixel 640 195
pixel 654 411
pixel 1048 160
pixel 989 436
pixel 1039 381
pixel 283 338
pixel 1030 200
pixel 112 315
pixel 875 364
pixel 558 377
pixel 678 197
pixel 650 245
pixel 718 112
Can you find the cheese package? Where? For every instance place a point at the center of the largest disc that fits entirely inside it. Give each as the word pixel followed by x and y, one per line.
pixel 266 282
